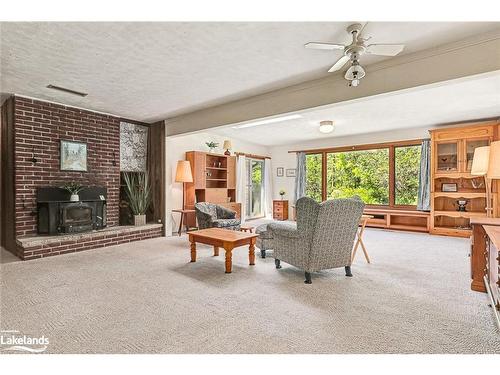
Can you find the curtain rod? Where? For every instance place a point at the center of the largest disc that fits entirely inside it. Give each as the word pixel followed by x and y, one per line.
pixel 252 155
pixel 360 147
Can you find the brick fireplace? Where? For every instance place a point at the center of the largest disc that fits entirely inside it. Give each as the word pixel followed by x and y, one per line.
pixel 33 143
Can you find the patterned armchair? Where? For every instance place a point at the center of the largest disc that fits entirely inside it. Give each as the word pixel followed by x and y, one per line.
pixel 321 239
pixel 211 215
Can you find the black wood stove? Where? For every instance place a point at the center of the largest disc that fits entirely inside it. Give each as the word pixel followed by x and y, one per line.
pixel 57 214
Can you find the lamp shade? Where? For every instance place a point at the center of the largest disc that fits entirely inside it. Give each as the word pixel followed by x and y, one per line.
pixel 227 145
pixel 480 161
pixel 494 165
pixel 183 172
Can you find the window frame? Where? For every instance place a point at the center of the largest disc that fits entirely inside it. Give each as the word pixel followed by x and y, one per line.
pixel 365 147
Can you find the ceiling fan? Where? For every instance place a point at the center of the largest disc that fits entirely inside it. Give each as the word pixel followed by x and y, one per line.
pixel 353 52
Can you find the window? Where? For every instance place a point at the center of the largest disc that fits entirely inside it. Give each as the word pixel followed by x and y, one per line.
pixel 314 179
pixel 407 168
pixel 383 174
pixel 363 173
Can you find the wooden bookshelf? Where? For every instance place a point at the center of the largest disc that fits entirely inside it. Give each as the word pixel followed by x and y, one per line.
pixel 214 181
pixel 452 151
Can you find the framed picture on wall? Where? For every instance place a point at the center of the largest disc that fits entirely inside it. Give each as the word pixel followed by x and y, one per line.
pixel 73 156
pixel 280 171
pixel 291 172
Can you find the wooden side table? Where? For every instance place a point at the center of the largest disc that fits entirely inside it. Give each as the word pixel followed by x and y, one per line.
pixel 362 225
pixel 280 210
pixel 183 216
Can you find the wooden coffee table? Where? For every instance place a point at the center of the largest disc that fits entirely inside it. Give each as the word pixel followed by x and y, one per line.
pixel 225 238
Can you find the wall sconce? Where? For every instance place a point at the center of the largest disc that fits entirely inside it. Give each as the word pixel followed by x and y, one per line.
pixel 33 159
pixel 114 160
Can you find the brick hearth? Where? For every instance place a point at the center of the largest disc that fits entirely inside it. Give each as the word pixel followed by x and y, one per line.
pixel 32 247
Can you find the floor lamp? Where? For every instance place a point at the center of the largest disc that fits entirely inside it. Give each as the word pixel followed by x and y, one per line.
pixel 183 174
pixel 486 163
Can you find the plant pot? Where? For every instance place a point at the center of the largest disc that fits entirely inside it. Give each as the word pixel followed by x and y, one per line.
pixel 211 150
pixel 74 198
pixel 139 220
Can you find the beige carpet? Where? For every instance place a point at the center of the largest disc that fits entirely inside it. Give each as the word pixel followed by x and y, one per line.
pixel 145 297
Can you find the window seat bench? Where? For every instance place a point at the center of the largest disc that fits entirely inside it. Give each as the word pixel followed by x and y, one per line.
pixel 390 218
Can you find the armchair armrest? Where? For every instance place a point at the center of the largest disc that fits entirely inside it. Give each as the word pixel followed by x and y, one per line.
pixel 284 230
pixel 225 213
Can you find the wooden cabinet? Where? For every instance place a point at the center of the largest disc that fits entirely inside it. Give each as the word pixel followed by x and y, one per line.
pixel 452 152
pixel 485 261
pixel 214 181
pixel 280 210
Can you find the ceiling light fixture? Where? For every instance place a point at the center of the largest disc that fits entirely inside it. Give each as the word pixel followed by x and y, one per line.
pixel 326 127
pixel 267 121
pixel 69 91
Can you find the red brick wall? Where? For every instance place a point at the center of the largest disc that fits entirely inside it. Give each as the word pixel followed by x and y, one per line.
pixel 42 125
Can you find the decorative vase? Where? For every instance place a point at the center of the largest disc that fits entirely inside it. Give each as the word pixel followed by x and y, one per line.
pixel 211 150
pixel 139 220
pixel 74 198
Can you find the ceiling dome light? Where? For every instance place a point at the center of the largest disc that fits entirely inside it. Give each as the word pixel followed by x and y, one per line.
pixel 326 126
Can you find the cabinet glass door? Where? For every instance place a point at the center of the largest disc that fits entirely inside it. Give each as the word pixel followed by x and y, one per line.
pixel 447 157
pixel 470 146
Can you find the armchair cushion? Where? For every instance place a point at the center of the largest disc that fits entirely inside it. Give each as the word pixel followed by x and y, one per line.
pixel 225 213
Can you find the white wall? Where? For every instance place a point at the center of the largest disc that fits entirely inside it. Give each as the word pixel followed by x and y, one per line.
pixel 176 148
pixel 282 158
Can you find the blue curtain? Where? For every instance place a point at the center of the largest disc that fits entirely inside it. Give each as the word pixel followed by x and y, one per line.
pixel 424 178
pixel 300 179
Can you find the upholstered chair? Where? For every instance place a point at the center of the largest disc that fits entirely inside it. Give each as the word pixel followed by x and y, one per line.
pixel 322 238
pixel 211 215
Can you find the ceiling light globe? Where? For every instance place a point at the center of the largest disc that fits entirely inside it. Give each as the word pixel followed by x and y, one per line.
pixel 326 127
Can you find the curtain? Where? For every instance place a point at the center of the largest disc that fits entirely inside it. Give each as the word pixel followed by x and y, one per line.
pixel 241 184
pixel 268 188
pixel 300 179
pixel 424 187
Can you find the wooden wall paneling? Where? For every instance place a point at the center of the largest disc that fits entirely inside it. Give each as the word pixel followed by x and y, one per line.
pixel 7 197
pixel 156 168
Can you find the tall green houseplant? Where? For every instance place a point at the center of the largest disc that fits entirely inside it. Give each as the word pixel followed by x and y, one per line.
pixel 138 192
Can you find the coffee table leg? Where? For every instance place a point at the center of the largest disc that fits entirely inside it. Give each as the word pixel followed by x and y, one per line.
pixel 193 251
pixel 251 252
pixel 216 251
pixel 229 258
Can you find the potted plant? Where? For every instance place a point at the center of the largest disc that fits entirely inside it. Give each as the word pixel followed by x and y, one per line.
pixel 73 188
pixel 212 146
pixel 282 193
pixel 138 192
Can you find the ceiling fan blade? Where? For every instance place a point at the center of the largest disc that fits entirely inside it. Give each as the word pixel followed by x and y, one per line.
pixel 319 45
pixel 385 49
pixel 339 64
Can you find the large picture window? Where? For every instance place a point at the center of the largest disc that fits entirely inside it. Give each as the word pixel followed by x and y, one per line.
pixel 382 174
pixel 362 173
pixel 314 180
pixel 407 166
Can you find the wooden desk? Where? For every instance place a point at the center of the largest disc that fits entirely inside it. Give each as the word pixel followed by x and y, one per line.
pixel 362 225
pixel 479 250
pixel 225 238
pixel 492 277
pixel 183 219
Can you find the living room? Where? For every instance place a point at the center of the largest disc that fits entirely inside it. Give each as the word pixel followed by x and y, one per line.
pixel 250 188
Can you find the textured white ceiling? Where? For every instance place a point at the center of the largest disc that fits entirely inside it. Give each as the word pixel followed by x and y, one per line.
pixel 152 71
pixel 459 100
